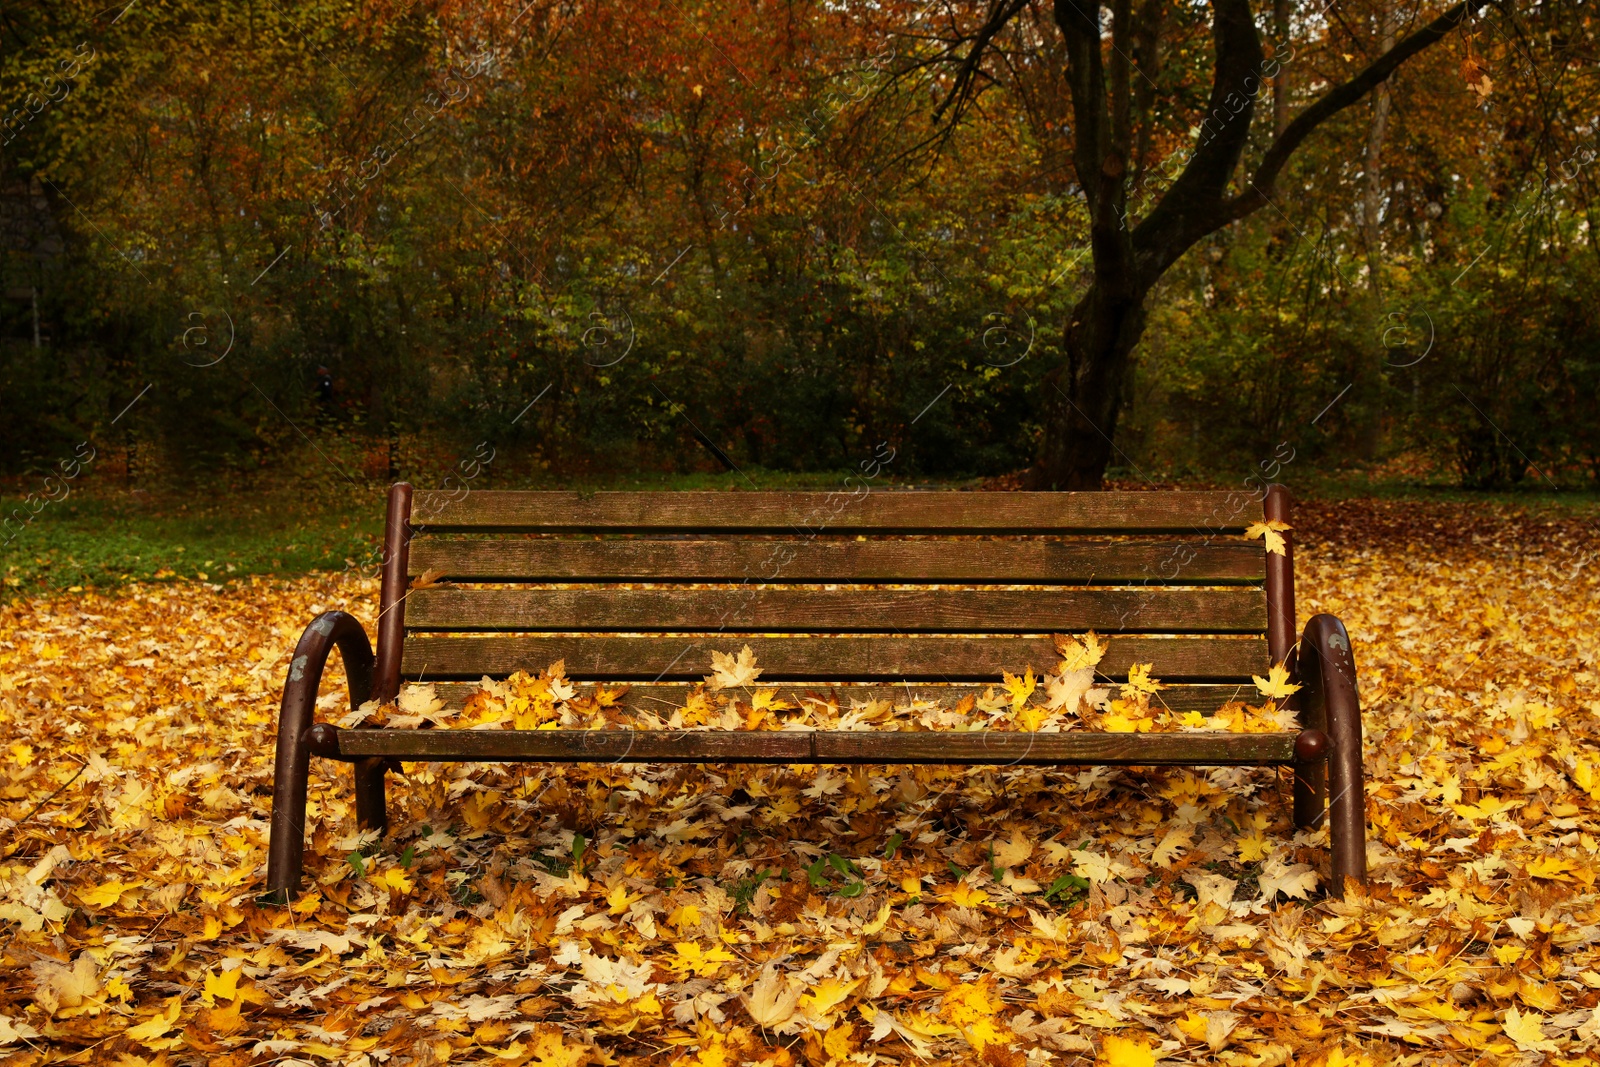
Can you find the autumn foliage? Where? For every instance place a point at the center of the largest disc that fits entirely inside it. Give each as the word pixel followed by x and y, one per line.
pixel 733 212
pixel 605 914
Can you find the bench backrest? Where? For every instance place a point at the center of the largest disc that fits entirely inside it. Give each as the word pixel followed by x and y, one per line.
pixel 882 586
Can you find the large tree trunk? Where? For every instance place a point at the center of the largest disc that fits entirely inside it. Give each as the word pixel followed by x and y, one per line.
pixel 1083 396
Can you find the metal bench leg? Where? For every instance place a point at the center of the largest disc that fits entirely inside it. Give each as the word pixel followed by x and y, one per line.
pixel 1310 794
pixel 372 811
pixel 286 847
pixel 286 844
pixel 1347 806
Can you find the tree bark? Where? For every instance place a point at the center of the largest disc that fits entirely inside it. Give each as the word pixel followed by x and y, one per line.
pixel 1083 397
pixel 1377 132
pixel 1280 88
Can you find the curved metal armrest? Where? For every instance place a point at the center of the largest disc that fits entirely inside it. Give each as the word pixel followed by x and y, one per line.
pixel 327 631
pixel 1327 669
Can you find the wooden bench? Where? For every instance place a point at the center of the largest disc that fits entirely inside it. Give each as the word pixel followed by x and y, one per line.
pixel 545 576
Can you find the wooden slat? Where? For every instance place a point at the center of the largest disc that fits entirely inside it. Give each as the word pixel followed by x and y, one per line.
pixel 812 610
pixel 775 561
pixel 846 511
pixel 663 699
pixel 790 658
pixel 785 747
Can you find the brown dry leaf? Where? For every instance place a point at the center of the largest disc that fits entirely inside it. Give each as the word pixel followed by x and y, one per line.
pixel 429 579
pixel 1476 75
pixel 57 985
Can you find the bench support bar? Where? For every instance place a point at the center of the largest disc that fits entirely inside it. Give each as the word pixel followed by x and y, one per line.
pixel 977 748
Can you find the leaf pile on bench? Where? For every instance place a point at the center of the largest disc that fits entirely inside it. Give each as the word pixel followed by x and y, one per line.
pixel 1071 698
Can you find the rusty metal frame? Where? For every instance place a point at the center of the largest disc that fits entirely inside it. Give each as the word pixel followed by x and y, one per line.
pixel 370 678
pixel 1280 583
pixel 1327 670
pixel 372 811
pixel 1329 709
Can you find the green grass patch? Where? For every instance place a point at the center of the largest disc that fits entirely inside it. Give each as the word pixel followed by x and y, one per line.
pixel 104 540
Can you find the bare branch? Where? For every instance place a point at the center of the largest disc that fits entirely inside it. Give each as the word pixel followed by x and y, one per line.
pixel 961 93
pixel 1336 100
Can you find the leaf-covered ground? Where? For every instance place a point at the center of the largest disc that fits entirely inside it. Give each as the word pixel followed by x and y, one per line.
pixel 735 915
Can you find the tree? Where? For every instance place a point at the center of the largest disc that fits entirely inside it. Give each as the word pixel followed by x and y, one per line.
pixel 1133 245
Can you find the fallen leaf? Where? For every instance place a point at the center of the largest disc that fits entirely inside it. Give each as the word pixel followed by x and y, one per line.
pixel 729 672
pixel 1269 533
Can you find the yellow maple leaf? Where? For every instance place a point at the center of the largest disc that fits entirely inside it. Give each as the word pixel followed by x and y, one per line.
pixel 1192 1025
pixel 607 698
pixel 551 1050
pixel 1276 684
pixel 969 1002
pixel 1118 1051
pixel 1252 847
pixel 964 895
pixel 620 900
pixel 769 700
pixel 827 995
pixel 1078 653
pixel 1527 1031
pixel 924 1025
pixel 728 672
pixel 984 1033
pixel 1019 688
pixel 1550 867
pixel 1588 778
pixel 692 959
pixel 1268 532
pixel 1486 808
pixel 1139 680
pixel 1539 994
pixel 224 984
pixel 394 878
pixel 839 1041
pixel 106 895
pixel 159 1023
pixel 1119 723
